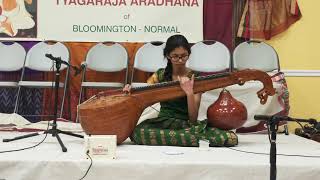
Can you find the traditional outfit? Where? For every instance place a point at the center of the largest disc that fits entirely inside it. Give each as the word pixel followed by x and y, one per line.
pixel 173 128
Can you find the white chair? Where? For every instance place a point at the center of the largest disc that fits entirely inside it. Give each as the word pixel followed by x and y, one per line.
pixel 260 55
pixel 148 58
pixel 12 58
pixel 104 57
pixel 209 56
pixel 255 55
pixel 36 60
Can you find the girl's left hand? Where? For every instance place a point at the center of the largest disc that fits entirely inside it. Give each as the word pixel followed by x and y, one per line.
pixel 127 89
pixel 186 84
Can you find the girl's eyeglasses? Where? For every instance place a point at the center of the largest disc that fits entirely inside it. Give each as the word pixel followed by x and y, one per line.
pixel 177 58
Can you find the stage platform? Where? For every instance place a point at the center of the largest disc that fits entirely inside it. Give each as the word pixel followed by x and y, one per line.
pixel 47 161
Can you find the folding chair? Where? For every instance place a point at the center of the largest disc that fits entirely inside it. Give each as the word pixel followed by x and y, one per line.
pixel 148 58
pixel 259 55
pixel 12 56
pixel 12 59
pixel 256 55
pixel 36 60
pixel 209 56
pixel 104 57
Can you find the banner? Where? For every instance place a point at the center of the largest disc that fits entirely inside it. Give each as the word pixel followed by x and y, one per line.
pixel 101 20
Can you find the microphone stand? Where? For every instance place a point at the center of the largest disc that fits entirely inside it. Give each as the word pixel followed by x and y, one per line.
pixel 54 130
pixel 273 122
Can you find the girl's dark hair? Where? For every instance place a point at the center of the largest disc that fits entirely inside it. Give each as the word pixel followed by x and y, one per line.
pixel 172 43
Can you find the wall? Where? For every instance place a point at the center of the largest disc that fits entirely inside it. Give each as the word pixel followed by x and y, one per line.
pixel 298 49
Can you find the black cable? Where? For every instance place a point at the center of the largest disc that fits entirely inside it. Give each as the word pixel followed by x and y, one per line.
pixel 46 135
pixel 155 109
pixel 299 155
pixel 302 127
pixel 14 150
pixel 250 152
pixel 268 128
pixel 295 155
pixel 269 134
pixel 87 153
pixel 51 107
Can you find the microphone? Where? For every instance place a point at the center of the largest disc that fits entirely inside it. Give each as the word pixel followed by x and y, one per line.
pixel 50 56
pixel 78 70
pixel 57 59
pixel 83 65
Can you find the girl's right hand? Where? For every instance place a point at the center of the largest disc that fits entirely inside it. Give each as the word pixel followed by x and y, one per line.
pixel 186 84
pixel 127 89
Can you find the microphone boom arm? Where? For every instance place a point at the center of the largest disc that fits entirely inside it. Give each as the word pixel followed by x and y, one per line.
pixel 59 60
pixel 284 118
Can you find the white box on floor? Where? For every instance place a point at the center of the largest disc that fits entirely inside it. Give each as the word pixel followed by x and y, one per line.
pixel 101 146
